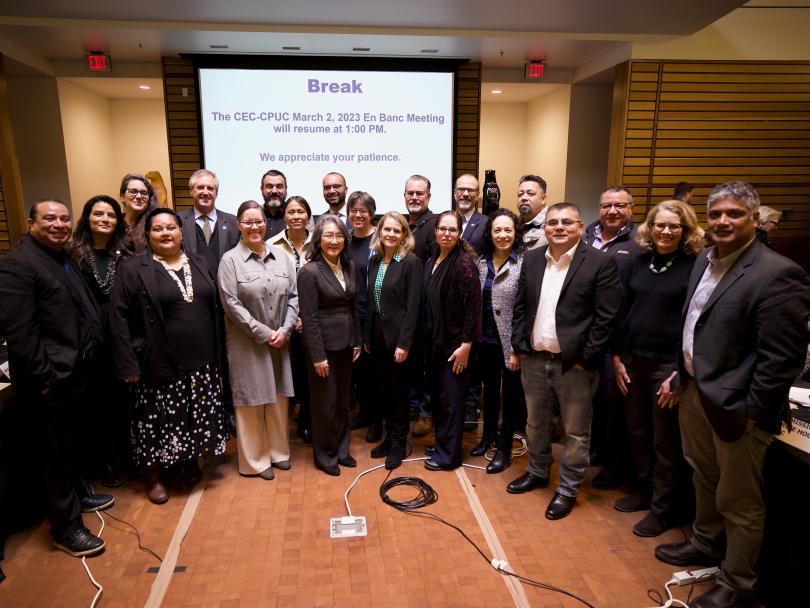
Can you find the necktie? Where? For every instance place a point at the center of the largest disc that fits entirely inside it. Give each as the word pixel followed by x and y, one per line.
pixel 206 229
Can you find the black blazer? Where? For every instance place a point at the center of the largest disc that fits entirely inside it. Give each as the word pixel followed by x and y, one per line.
pixel 225 230
pixel 474 230
pixel 587 311
pixel 400 299
pixel 140 343
pixel 750 340
pixel 424 235
pixel 328 312
pixel 41 316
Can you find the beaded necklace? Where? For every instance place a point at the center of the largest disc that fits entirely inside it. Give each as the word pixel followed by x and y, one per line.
pixel 186 290
pixel 663 268
pixel 104 284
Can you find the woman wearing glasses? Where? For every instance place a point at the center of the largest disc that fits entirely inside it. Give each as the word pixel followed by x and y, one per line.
pixel 258 290
pixel 327 293
pixel 645 353
pixel 451 322
pixel 137 199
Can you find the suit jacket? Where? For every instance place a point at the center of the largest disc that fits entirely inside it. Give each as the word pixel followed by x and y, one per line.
pixel 474 230
pixel 41 316
pixel 587 311
pixel 423 230
pixel 750 340
pixel 225 230
pixel 400 300
pixel 140 343
pixel 328 311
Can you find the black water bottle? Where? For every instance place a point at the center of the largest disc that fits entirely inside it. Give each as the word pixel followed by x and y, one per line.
pixel 492 194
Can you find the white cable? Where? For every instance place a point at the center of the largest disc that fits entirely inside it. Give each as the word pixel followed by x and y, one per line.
pixel 672 601
pixel 87 568
pixel 517 452
pixel 356 479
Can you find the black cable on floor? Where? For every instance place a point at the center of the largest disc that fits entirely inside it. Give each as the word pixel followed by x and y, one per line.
pixel 137 534
pixel 425 496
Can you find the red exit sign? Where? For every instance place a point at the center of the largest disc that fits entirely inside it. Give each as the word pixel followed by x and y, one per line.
pixel 98 62
pixel 534 69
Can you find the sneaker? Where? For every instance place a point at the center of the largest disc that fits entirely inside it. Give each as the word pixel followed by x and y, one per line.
pixel 80 543
pixel 96 502
pixel 422 427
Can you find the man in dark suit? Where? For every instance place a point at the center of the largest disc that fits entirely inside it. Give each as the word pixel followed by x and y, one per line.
pixel 567 304
pixel 52 325
pixel 207 230
pixel 465 195
pixel 274 193
pixel 743 342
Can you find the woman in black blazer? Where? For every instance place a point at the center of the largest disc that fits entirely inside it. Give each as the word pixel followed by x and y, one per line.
pixel 394 297
pixel 326 293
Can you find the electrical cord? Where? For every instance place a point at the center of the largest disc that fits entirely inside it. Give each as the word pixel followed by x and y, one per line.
pixel 425 496
pixel 517 452
pixel 138 536
pixel 87 568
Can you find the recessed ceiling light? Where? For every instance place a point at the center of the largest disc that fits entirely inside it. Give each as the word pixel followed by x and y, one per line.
pixel 217 46
pixel 429 51
pixel 496 91
pixel 291 48
pixel 361 48
pixel 144 87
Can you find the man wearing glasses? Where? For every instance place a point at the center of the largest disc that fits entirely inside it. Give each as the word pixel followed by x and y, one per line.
pixel 568 302
pixel 614 233
pixel 334 193
pixel 465 194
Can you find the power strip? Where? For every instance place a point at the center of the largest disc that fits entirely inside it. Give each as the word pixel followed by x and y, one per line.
pixel 688 577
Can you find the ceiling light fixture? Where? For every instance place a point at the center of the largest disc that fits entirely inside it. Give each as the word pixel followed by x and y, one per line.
pixel 361 48
pixel 496 91
pixel 429 51
pixel 144 87
pixel 291 48
pixel 218 46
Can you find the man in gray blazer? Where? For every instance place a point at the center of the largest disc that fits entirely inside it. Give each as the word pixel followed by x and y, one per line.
pixel 743 343
pixel 207 230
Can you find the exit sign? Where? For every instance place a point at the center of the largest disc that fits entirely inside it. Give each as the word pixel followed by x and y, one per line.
pixel 534 69
pixel 98 62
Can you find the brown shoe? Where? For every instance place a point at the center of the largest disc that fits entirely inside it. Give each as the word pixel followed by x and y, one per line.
pixel 422 427
pixel 156 491
pixel 721 596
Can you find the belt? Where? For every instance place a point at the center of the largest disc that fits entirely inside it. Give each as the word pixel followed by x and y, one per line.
pixel 548 354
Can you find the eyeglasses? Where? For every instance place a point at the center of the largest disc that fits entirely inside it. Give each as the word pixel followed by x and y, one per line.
pixel 252 223
pixel 333 237
pixel 134 193
pixel 328 187
pixel 358 211
pixel 567 222
pixel 466 190
pixel 415 193
pixel 616 206
pixel 446 229
pixel 663 226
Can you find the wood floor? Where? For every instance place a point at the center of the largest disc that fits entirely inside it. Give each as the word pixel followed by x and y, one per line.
pixel 256 543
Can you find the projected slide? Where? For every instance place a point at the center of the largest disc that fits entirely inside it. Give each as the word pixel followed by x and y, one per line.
pixel 376 128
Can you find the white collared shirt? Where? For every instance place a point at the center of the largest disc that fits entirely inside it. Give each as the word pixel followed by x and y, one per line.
pixel 337 270
pixel 715 271
pixel 544 332
pixel 212 217
pixel 466 217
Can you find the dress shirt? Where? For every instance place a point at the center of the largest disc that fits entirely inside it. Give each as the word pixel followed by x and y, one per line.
pixel 282 239
pixel 598 242
pixel 544 332
pixel 212 216
pixel 466 220
pixel 337 270
pixel 715 271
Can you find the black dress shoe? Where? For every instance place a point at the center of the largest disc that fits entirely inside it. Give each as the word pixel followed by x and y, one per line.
pixel 432 466
pixel 652 525
pixel 110 476
pixel 483 446
pixel 633 503
pixel 721 596
pixel 349 461
pixel 80 543
pixel 684 554
pixel 560 506
pixel 332 469
pixel 430 449
pixel 526 483
pixel 381 451
pixel 605 479
pixel 96 502
pixel 358 423
pixel 394 458
pixel 499 463
pixel 375 431
pixel 306 436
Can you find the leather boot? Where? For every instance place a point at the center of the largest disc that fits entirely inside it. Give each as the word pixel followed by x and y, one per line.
pixel 499 463
pixel 482 447
pixel 155 490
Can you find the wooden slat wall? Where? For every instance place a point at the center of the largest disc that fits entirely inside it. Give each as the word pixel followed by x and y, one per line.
pixel 710 122
pixel 5 235
pixel 183 124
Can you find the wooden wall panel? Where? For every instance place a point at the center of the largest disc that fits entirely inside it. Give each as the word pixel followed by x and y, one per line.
pixel 709 122
pixel 185 142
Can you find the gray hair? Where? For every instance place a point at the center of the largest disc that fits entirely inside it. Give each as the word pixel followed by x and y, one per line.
pixel 741 191
pixel 199 173
pixel 768 214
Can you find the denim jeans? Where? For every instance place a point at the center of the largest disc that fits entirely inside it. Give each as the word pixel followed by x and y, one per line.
pixel 545 384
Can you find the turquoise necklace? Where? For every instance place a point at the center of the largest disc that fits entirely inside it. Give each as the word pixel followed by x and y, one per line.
pixel 663 268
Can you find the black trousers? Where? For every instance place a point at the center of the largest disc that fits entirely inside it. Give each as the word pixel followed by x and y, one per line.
pixel 655 437
pixel 447 391
pixel 367 388
pixel 393 379
pixel 329 403
pixel 300 365
pixel 472 396
pixel 497 380
pixel 608 427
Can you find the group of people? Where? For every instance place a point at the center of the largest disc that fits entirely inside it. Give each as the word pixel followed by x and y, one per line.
pixel 156 325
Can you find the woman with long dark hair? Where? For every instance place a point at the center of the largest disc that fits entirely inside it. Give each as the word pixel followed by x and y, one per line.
pixel 137 200
pixel 165 330
pixel 451 322
pixel 326 292
pixel 499 269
